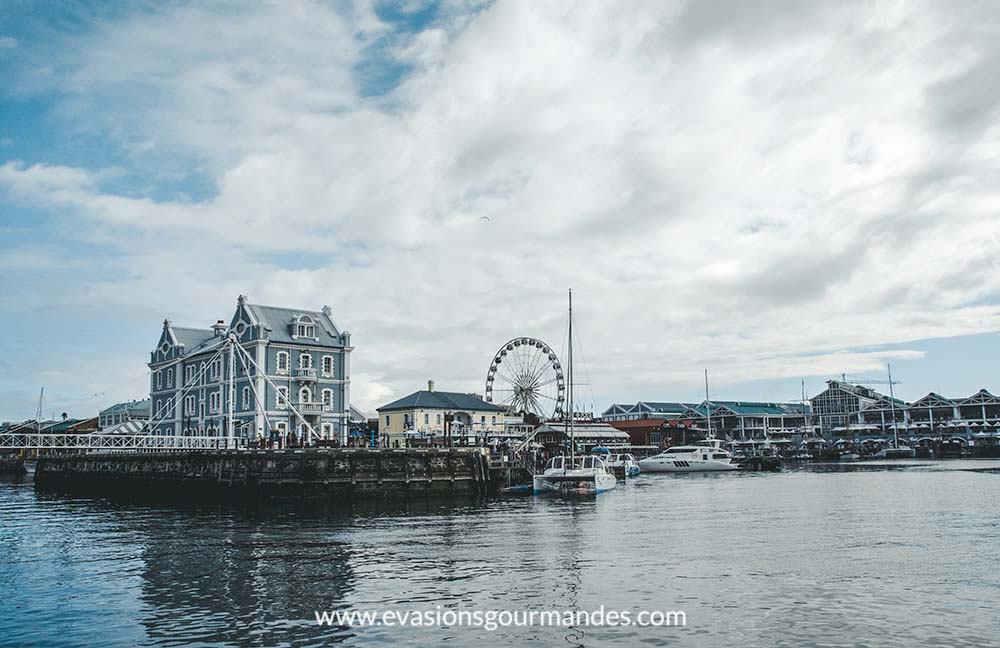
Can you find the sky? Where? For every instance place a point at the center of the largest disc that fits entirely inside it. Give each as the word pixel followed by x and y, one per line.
pixel 776 192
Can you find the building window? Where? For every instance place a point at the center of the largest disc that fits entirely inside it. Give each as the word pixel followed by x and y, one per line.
pixel 170 377
pixel 282 427
pixel 216 369
pixel 427 419
pixel 214 401
pixel 328 366
pixel 246 398
pixel 439 419
pixel 282 398
pixel 387 420
pixel 328 397
pixel 282 362
pixel 159 407
pixel 493 421
pixel 305 361
pixel 305 328
pixel 159 382
pixel 327 431
pixel 189 405
pixel 305 395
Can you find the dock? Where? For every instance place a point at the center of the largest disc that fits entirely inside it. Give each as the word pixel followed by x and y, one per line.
pixel 314 473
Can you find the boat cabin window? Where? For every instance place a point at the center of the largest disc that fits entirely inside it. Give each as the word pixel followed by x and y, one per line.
pixel 556 463
pixel 592 462
pixel 720 456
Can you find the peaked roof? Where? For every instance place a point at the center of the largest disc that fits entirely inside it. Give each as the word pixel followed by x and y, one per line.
pixel 191 337
pixel 134 408
pixel 933 399
pixel 617 408
pixel 441 400
pixel 886 403
pixel 661 406
pixel 750 408
pixel 983 396
pixel 277 320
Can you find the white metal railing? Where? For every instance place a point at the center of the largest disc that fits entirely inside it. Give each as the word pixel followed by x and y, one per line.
pixel 32 441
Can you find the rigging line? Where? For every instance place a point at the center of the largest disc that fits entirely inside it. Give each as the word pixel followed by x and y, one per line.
pixel 153 421
pixel 259 403
pixel 586 369
pixel 288 402
pixel 104 392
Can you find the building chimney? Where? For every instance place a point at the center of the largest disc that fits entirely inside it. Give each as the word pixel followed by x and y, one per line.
pixel 220 328
pixel 430 385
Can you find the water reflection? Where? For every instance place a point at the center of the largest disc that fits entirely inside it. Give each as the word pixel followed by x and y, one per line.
pixel 824 555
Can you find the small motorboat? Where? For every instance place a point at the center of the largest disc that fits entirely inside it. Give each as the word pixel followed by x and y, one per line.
pixel 623 461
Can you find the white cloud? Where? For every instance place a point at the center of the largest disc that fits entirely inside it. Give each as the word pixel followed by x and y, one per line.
pixel 751 191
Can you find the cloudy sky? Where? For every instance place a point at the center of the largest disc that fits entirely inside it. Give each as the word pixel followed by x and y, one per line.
pixel 775 191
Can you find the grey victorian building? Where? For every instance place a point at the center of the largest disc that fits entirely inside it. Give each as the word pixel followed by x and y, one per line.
pixel 295 375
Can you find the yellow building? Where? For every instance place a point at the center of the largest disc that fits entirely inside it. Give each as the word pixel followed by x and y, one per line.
pixel 431 417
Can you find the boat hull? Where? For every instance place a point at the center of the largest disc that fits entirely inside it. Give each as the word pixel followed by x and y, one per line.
pixel 570 484
pixel 654 465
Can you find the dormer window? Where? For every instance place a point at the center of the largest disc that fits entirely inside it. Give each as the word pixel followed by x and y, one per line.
pixel 304 327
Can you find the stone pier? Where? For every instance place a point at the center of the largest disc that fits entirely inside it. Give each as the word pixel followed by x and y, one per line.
pixel 315 473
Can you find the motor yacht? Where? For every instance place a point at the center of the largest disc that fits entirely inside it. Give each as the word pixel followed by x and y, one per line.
pixel 708 456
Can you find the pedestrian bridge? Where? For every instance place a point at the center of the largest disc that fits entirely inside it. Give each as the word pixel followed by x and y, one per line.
pixel 28 440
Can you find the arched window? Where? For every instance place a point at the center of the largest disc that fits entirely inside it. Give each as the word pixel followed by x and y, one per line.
pixel 304 327
pixel 305 361
pixel 305 395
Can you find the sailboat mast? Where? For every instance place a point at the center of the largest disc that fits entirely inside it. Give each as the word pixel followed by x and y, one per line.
pixel 892 408
pixel 38 422
pixel 708 408
pixel 569 371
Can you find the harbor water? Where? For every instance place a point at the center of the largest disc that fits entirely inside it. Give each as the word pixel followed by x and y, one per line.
pixel 900 554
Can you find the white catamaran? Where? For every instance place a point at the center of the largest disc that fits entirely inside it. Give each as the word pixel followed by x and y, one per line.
pixel 565 475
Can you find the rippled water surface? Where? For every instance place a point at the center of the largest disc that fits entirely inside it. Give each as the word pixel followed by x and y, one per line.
pixel 865 556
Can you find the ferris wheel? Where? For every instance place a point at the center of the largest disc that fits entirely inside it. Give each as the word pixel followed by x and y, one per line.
pixel 526 378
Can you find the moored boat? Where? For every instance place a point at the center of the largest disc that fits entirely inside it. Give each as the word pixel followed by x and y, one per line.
pixel 567 475
pixel 624 462
pixel 709 456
